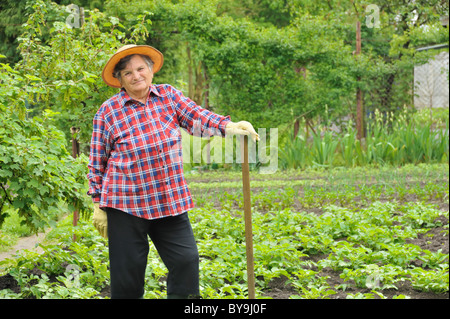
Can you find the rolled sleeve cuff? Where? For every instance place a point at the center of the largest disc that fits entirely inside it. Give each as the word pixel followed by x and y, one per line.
pixel 223 124
pixel 96 198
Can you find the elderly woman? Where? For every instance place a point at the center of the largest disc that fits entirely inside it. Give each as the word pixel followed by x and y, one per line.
pixel 136 175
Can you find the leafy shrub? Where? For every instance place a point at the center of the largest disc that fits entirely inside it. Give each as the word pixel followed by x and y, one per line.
pixel 36 171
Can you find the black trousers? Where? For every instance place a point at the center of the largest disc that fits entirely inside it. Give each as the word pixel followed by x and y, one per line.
pixel 129 247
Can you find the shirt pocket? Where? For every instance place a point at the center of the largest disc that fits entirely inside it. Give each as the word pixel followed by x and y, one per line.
pixel 170 126
pixel 172 135
pixel 124 140
pixel 135 147
pixel 127 150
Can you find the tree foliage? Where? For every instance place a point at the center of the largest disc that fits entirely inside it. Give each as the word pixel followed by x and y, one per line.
pixel 67 67
pixel 36 170
pixel 268 62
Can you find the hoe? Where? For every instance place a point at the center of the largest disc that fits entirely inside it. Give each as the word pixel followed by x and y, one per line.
pixel 248 222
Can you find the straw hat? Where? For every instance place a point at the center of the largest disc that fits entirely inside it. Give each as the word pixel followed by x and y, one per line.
pixel 155 55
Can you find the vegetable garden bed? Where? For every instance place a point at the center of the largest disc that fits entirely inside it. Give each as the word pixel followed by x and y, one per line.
pixel 343 233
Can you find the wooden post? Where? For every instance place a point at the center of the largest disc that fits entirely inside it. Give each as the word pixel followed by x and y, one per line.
pixel 248 222
pixel 81 16
pixel 75 153
pixel 359 100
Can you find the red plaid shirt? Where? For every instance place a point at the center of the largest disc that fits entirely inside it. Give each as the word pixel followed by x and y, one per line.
pixel 135 162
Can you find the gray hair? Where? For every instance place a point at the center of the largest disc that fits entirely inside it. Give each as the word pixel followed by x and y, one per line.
pixel 121 65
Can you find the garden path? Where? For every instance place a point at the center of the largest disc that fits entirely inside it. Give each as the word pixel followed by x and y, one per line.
pixel 28 243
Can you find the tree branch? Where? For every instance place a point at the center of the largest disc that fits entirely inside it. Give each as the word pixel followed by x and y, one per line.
pixel 6 193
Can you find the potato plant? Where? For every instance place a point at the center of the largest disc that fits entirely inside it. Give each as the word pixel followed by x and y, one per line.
pixel 316 235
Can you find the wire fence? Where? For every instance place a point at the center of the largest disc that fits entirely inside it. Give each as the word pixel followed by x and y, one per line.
pixel 424 86
pixel 431 83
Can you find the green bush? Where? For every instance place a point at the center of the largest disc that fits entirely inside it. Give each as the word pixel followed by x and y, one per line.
pixel 36 170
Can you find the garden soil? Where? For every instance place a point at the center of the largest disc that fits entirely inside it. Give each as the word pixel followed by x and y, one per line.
pixel 279 288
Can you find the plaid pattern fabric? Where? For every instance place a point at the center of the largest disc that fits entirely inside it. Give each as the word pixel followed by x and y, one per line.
pixel 135 162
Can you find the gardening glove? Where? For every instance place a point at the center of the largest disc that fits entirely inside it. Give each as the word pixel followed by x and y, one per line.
pixel 100 220
pixel 241 128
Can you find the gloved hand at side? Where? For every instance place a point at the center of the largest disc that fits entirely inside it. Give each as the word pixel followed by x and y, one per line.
pixel 100 220
pixel 241 128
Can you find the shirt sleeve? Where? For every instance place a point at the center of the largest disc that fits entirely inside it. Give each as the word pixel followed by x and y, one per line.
pixel 195 119
pixel 99 153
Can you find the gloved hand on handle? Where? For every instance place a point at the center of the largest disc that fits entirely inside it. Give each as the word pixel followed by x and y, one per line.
pixel 241 128
pixel 100 220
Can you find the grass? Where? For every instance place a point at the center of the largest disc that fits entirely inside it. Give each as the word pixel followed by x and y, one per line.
pixel 12 230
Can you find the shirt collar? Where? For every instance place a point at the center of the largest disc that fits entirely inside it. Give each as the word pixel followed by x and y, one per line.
pixel 124 97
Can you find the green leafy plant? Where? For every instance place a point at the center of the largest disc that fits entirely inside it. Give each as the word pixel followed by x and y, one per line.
pixel 36 171
pixel 368 247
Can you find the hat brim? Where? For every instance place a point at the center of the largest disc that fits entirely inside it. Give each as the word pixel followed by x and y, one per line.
pixel 156 56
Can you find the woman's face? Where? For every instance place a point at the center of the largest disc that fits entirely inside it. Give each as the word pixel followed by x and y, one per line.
pixel 136 77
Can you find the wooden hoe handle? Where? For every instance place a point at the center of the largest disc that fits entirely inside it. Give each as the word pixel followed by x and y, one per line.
pixel 248 222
